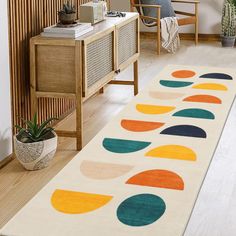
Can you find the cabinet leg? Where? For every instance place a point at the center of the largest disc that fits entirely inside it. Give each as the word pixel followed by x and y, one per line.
pixel 135 78
pixel 101 91
pixel 79 95
pixel 79 128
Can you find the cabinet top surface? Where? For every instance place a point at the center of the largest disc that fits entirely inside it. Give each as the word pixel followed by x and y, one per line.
pixel 107 24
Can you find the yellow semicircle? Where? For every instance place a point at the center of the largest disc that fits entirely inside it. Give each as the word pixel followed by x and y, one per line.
pixel 70 202
pixel 173 152
pixel 153 110
pixel 210 86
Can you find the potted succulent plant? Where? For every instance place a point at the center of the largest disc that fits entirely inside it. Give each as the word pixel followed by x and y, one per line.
pixel 35 145
pixel 68 14
pixel 228 24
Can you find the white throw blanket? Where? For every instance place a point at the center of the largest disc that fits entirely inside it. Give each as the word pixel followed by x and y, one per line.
pixel 170 34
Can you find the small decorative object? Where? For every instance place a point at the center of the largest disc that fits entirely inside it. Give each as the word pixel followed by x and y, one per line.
pixel 115 14
pixel 35 145
pixel 93 12
pixel 228 24
pixel 67 15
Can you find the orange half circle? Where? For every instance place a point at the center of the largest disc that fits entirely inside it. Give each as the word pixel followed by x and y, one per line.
pixel 158 179
pixel 140 126
pixel 203 99
pixel 183 74
pixel 70 202
pixel 211 86
pixel 173 152
pixel 153 110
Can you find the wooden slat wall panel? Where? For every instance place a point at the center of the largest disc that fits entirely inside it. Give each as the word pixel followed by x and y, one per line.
pixel 27 18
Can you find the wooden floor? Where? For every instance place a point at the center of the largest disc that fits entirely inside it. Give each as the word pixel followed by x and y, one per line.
pixel 215 211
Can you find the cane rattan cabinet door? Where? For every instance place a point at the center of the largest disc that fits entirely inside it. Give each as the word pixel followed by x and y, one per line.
pixel 127 42
pixel 99 66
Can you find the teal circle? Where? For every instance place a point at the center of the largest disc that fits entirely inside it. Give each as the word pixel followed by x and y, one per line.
pixel 141 210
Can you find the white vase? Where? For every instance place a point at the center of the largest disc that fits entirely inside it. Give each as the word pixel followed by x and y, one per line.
pixel 35 156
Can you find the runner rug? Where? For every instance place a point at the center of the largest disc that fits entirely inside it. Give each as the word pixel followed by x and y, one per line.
pixel 142 173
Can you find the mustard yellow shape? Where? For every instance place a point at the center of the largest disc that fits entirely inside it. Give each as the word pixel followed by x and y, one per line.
pixel 153 110
pixel 173 152
pixel 210 86
pixel 70 202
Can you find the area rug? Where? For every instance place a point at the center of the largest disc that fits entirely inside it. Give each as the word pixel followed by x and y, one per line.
pixel 142 173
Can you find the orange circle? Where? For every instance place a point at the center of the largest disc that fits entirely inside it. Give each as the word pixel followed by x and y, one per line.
pixel 183 74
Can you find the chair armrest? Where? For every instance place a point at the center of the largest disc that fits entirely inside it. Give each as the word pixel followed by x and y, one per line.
pixel 149 18
pixel 186 1
pixel 157 7
pixel 146 5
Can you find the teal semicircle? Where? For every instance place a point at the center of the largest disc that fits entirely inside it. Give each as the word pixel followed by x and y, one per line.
pixel 217 76
pixel 141 210
pixel 124 146
pixel 195 113
pixel 175 84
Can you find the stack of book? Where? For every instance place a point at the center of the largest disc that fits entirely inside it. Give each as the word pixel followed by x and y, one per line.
pixel 67 32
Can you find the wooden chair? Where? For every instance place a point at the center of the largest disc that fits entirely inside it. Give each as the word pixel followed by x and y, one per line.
pixel 190 18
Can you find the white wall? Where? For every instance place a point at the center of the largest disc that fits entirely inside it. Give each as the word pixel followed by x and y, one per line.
pixel 209 14
pixel 5 99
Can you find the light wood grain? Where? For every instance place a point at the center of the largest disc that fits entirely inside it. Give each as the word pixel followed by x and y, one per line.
pixel 54 95
pixel 196 23
pixel 121 82
pixel 158 20
pixel 187 21
pixel 79 94
pixel 136 78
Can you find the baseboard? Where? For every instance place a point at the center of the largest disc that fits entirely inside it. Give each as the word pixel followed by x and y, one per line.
pixel 202 37
pixel 6 160
pixel 186 36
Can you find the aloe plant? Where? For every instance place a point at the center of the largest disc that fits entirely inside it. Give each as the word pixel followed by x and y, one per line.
pixel 229 18
pixel 68 8
pixel 34 132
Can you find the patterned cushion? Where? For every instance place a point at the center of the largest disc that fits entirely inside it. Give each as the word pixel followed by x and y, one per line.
pixel 166 8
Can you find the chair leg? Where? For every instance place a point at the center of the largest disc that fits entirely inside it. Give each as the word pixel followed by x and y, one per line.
pixel 196 33
pixel 158 40
pixel 196 38
pixel 196 24
pixel 158 31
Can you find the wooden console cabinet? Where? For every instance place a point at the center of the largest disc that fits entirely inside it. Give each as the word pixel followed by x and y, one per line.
pixel 78 68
